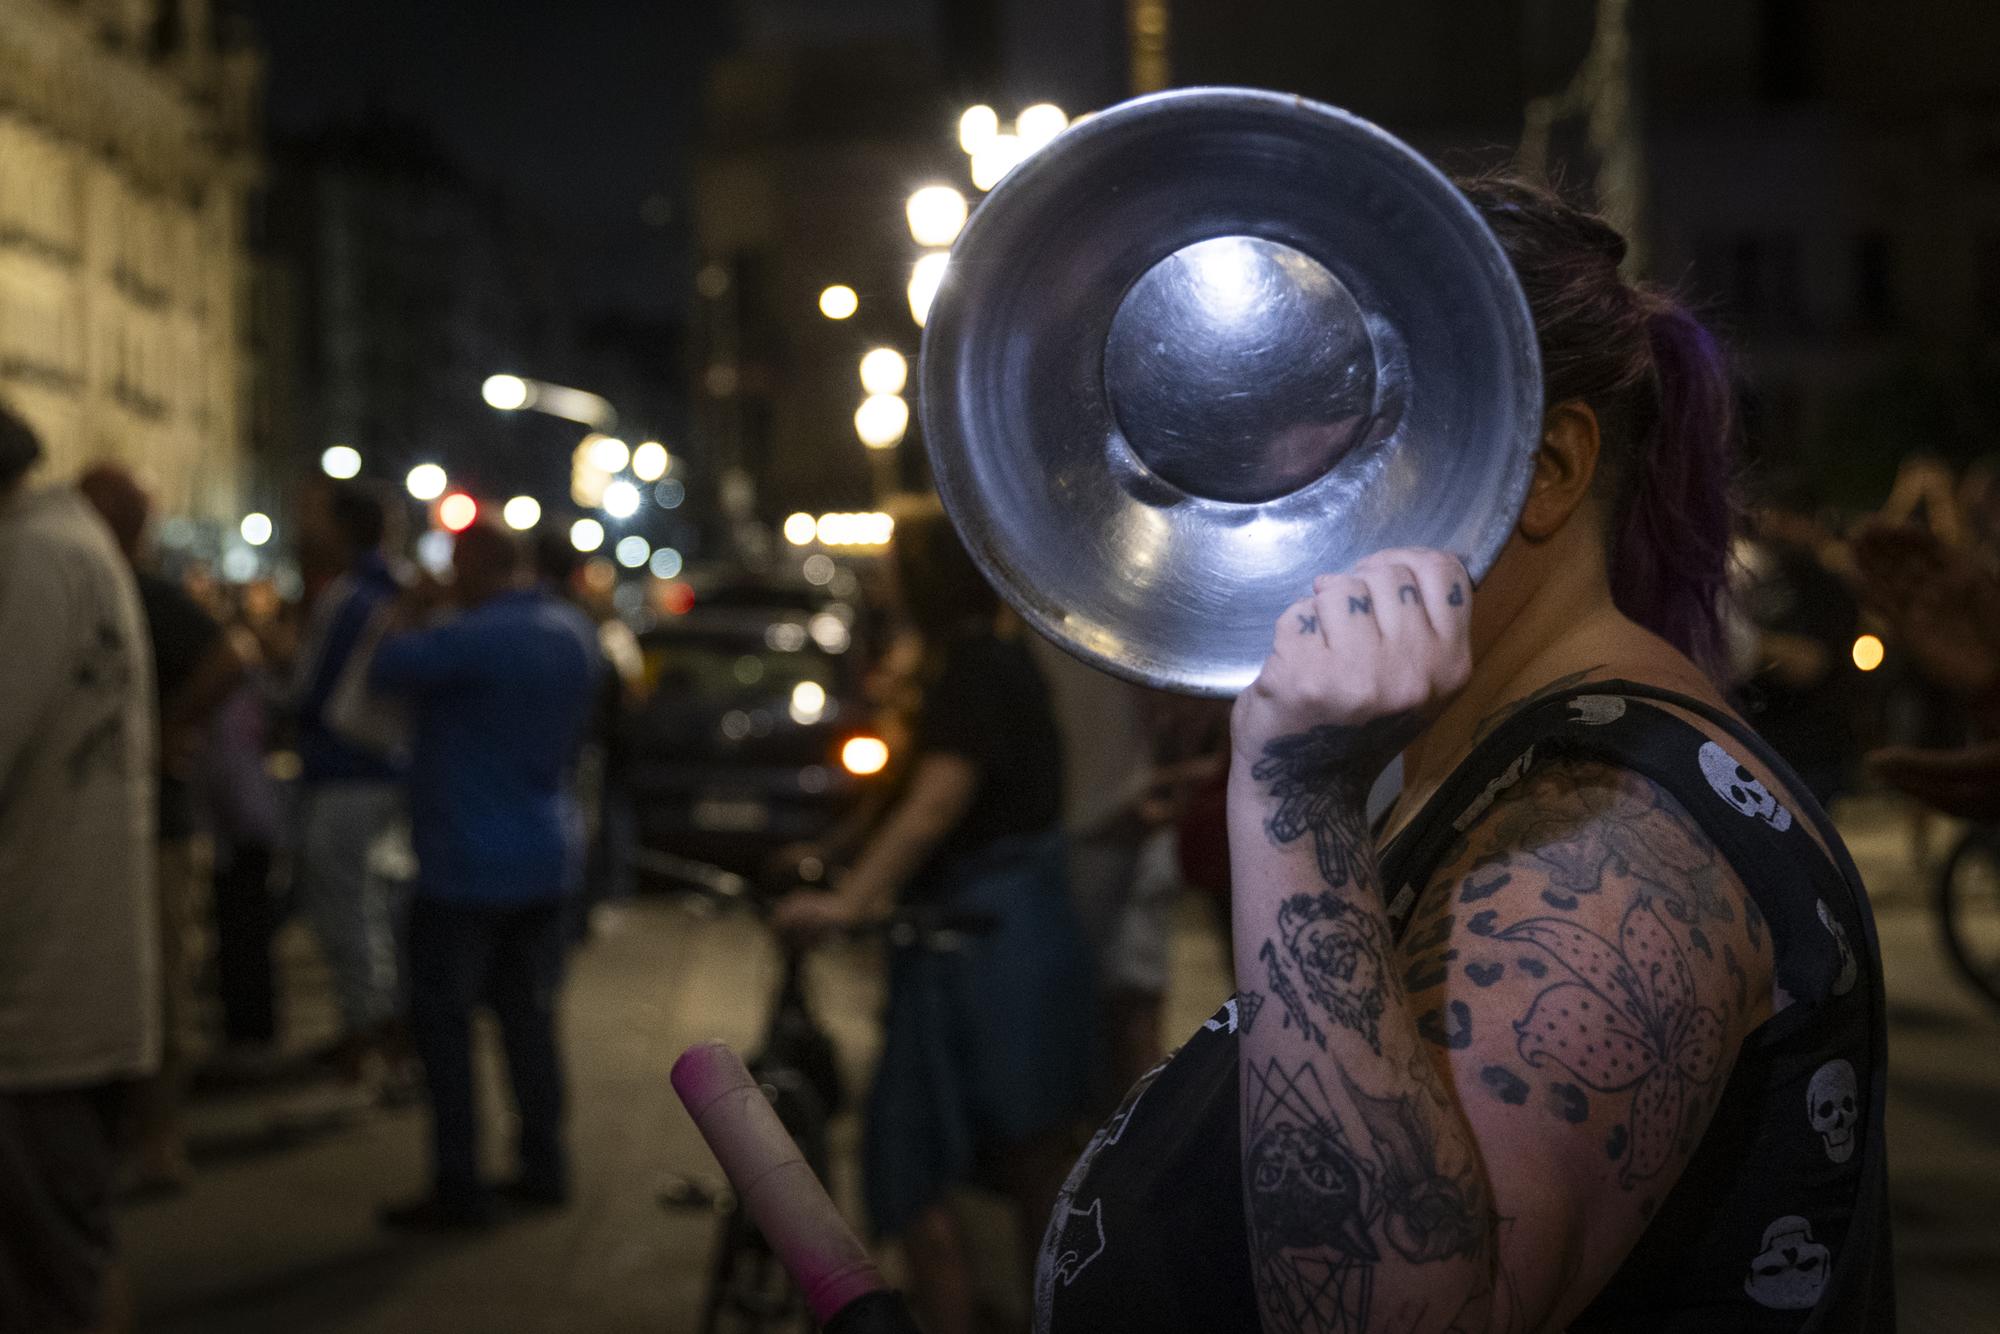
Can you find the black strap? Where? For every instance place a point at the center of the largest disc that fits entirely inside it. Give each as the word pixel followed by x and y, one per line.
pixel 1847 1298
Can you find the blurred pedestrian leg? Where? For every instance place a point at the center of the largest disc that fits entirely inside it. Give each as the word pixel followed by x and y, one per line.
pixel 182 873
pixel 243 806
pixel 349 906
pixel 246 919
pixel 511 959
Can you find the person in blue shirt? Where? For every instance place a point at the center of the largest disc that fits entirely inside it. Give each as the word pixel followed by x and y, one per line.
pixel 498 697
pixel 350 793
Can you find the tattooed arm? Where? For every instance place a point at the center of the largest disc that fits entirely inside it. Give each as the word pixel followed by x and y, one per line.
pixel 1368 1204
pixel 1544 1048
pixel 1586 966
pixel 1469 1131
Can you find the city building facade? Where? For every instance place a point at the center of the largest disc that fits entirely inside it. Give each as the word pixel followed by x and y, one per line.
pixel 128 165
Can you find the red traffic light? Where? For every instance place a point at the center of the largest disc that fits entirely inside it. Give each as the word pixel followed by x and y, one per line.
pixel 457 511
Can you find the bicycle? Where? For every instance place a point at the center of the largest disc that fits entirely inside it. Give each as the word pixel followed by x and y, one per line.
pixel 797 1068
pixel 1967 902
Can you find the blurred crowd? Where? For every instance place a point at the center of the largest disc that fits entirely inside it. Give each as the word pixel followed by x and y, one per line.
pixel 432 776
pixel 1867 646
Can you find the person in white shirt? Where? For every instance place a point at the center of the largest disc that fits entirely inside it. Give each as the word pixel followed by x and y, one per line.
pixel 79 943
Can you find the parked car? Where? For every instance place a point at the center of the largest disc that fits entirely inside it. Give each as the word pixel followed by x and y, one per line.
pixel 753 733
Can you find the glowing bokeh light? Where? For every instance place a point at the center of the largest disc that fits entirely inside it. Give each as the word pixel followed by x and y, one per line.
pixel 838 302
pixel 341 462
pixel 884 371
pixel 864 755
pixel 457 511
pixel 426 481
pixel 522 513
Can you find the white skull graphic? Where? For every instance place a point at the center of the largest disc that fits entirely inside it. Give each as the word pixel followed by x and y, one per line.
pixel 1790 1272
pixel 1596 710
pixel 1850 970
pixel 1735 785
pixel 1830 1103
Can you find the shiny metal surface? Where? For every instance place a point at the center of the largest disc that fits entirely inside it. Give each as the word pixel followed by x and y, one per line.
pixel 1239 369
pixel 1206 345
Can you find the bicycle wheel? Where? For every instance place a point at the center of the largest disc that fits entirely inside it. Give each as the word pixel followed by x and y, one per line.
pixel 1968 907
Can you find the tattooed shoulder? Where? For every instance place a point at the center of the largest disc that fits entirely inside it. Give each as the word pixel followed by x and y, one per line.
pixel 1606 967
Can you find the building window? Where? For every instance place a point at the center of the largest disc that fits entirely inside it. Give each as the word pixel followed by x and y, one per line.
pixel 1874 282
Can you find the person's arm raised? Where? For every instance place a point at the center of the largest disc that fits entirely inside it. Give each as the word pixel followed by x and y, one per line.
pixel 1470 1130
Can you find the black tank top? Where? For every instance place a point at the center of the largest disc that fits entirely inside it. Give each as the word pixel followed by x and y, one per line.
pixel 1779 1221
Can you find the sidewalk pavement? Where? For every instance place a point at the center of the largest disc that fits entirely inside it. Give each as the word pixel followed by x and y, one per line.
pixel 278 1232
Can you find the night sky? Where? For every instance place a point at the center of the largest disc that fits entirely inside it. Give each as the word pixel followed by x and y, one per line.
pixel 581 110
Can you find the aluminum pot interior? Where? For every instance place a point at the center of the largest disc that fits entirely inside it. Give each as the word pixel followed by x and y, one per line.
pixel 1206 345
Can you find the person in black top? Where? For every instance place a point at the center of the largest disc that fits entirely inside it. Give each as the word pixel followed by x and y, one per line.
pixel 1586 1032
pixel 985 1053
pixel 1799 692
pixel 194 669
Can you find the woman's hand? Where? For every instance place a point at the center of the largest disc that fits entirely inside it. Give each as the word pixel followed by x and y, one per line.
pixel 1358 668
pixel 809 915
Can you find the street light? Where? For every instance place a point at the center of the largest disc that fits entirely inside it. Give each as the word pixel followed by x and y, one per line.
pixel 1038 124
pixel 977 127
pixel 936 213
pixel 881 420
pixel 999 156
pixel 586 534
pixel 511 393
pixel 425 482
pixel 341 462
pixel 609 454
pixel 621 499
pixel 799 529
pixel 508 393
pixel 522 513
pixel 884 371
pixel 925 278
pixel 649 461
pixel 634 551
pixel 256 529
pixel 838 302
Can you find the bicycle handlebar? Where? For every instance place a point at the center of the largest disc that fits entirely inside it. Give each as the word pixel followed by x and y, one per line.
pixel 939 927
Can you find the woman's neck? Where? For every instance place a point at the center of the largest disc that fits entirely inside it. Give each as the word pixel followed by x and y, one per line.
pixel 1568 628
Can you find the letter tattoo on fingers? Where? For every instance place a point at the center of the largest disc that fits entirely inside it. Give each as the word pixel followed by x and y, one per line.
pixel 1360 606
pixel 1308 624
pixel 1408 594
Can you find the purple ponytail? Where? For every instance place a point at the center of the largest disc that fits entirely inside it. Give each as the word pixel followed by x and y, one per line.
pixel 1672 531
pixel 1660 386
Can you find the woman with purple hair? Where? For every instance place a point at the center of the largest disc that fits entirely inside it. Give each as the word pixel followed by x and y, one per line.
pixel 1585 1030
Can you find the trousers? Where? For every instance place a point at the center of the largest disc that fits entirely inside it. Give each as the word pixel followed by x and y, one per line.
pixel 510 960
pixel 348 904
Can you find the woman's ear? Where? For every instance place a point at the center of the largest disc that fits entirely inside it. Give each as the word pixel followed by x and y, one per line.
pixel 1565 466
